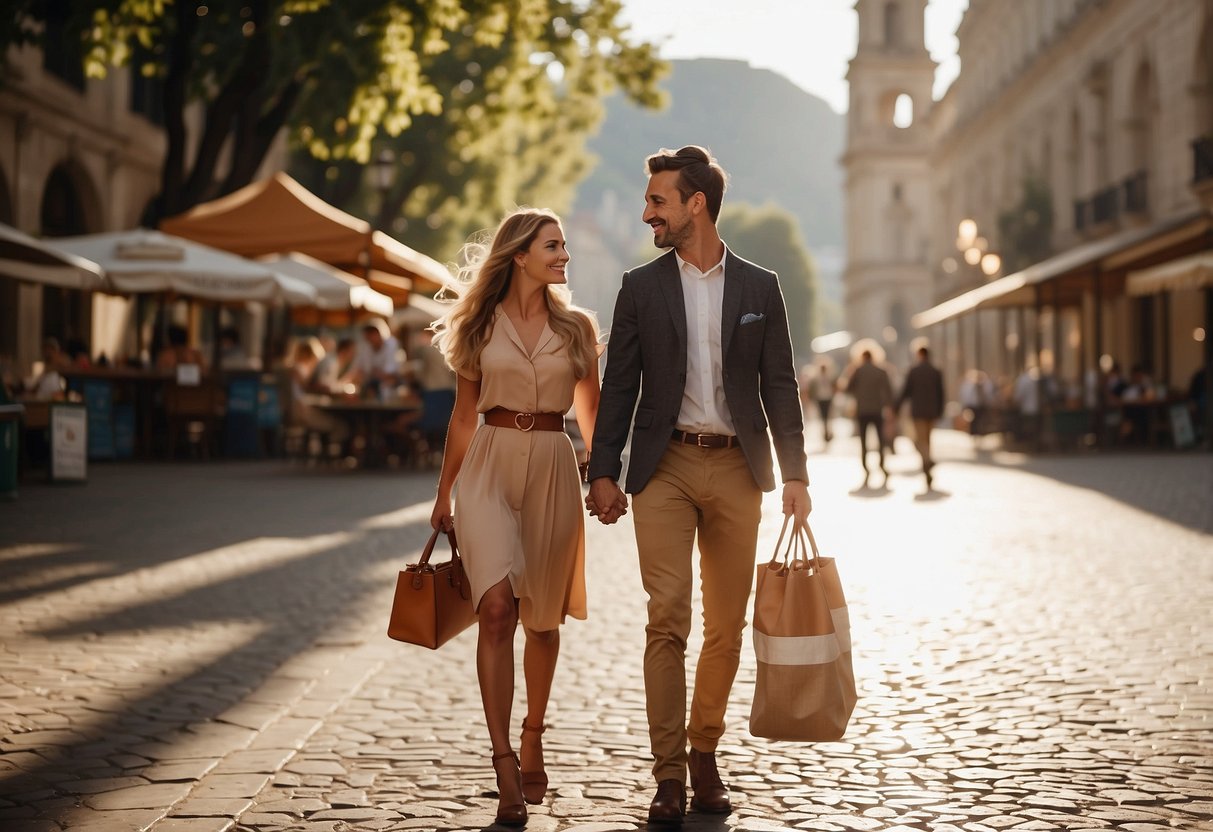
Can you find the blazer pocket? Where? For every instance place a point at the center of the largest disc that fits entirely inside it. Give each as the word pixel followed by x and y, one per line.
pixel 644 418
pixel 760 421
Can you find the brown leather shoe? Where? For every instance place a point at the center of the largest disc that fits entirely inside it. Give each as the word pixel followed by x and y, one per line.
pixel 670 802
pixel 710 794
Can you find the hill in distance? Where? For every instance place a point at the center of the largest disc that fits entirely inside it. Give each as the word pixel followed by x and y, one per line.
pixel 778 143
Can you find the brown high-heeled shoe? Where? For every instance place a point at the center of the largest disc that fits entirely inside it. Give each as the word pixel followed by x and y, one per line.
pixel 534 783
pixel 513 814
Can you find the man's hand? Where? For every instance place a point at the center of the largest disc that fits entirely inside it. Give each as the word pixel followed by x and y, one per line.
pixel 796 501
pixel 606 500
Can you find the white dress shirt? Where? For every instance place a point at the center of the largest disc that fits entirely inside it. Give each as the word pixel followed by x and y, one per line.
pixel 704 409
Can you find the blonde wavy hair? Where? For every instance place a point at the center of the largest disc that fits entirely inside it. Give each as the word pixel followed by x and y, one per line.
pixel 486 276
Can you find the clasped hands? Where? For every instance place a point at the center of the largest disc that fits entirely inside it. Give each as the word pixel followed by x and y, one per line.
pixel 606 500
pixel 608 503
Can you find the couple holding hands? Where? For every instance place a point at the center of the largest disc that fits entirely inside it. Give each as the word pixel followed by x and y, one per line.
pixel 700 373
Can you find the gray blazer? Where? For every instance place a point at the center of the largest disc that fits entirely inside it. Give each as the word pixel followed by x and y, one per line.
pixel 647 357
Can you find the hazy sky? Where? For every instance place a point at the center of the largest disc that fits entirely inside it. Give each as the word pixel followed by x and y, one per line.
pixel 807 41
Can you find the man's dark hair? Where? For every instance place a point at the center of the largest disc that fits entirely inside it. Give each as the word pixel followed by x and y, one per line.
pixel 924 352
pixel 697 171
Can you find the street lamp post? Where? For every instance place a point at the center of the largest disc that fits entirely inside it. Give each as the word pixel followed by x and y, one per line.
pixel 383 174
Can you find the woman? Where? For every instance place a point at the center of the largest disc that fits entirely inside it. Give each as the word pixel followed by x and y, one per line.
pixel 523 355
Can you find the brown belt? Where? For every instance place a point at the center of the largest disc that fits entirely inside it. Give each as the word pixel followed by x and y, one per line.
pixel 499 417
pixel 705 440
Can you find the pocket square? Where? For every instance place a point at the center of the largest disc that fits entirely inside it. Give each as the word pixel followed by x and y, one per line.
pixel 751 317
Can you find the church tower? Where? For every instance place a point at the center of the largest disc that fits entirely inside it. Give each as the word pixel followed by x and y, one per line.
pixel 887 277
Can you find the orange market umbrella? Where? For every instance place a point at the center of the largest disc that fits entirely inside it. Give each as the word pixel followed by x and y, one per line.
pixel 278 215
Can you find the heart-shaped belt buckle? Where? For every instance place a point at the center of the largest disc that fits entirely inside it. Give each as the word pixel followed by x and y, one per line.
pixel 518 417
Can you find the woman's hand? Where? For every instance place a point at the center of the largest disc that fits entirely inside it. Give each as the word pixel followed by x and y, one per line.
pixel 441 518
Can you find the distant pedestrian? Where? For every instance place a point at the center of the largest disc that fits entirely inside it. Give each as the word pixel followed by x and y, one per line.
pixel 524 355
pixel 924 391
pixel 869 385
pixel 820 389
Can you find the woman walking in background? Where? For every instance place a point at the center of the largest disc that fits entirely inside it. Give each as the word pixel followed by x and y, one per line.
pixel 523 354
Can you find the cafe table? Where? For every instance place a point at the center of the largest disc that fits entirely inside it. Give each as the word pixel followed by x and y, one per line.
pixel 367 416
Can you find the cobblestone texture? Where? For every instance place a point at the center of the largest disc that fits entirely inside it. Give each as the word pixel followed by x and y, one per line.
pixel 200 647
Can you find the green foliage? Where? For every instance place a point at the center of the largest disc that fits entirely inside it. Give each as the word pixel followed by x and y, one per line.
pixel 349 75
pixel 1025 231
pixel 771 237
pixel 524 83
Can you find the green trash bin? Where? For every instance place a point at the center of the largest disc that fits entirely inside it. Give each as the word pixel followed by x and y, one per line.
pixel 10 433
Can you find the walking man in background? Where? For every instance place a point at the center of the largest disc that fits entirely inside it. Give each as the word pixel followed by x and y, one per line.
pixel 701 337
pixel 873 394
pixel 924 390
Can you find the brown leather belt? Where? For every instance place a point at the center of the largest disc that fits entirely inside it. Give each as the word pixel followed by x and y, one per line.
pixel 705 440
pixel 499 417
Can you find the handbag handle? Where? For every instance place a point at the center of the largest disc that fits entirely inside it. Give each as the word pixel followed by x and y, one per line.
pixel 787 557
pixel 423 565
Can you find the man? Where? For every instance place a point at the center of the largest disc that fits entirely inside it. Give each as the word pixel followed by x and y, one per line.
pixel 873 393
pixel 377 363
pixel 924 390
pixel 701 336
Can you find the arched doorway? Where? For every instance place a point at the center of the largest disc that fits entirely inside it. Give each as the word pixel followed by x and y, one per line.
pixel 8 286
pixel 65 312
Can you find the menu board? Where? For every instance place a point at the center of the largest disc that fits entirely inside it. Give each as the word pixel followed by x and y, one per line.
pixel 69 442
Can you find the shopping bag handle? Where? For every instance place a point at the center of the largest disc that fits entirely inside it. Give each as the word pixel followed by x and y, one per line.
pixel 424 565
pixel 787 557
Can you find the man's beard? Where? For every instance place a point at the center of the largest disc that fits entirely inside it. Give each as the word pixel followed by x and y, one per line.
pixel 672 237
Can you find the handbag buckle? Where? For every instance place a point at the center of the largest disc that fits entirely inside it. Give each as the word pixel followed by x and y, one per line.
pixel 518 417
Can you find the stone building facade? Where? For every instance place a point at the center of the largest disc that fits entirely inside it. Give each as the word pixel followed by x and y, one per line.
pixel 77 156
pixel 1090 123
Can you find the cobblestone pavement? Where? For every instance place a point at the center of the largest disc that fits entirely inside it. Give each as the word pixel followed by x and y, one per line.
pixel 199 647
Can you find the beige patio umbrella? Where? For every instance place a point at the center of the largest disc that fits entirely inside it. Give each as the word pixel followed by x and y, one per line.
pixel 278 214
pixel 141 261
pixel 34 261
pixel 335 290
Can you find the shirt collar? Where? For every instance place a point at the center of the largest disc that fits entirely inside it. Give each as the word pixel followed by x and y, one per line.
pixel 707 272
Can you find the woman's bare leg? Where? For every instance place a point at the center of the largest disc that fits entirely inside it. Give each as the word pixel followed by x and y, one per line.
pixel 495 670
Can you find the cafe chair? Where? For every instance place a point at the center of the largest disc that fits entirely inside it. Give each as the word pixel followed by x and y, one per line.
pixel 427 436
pixel 195 413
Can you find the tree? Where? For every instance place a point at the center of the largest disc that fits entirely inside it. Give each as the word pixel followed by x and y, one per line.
pixel 770 236
pixel 341 74
pixel 522 101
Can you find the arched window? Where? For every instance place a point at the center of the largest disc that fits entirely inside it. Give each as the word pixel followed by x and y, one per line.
pixel 903 111
pixel 1145 111
pixel 1075 160
pixel 62 207
pixel 8 285
pixel 892 24
pixel 65 313
pixel 1202 81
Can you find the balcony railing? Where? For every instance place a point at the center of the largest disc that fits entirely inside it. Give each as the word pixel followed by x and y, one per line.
pixel 1105 206
pixel 1202 160
pixel 1136 193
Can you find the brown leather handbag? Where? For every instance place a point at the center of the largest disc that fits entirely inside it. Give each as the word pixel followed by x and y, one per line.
pixel 433 603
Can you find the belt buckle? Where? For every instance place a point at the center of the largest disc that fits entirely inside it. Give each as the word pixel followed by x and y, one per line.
pixel 699 443
pixel 518 421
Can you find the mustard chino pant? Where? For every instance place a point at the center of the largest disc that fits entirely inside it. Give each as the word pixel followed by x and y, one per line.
pixel 709 491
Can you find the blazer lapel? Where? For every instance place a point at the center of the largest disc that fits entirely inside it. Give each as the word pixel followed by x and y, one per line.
pixel 671 287
pixel 730 311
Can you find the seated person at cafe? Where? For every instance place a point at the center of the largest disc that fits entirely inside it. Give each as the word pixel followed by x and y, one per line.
pixel 179 351
pixel 335 365
pixel 232 356
pixel 306 356
pixel 47 382
pixel 428 369
pixel 1198 397
pixel 376 364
